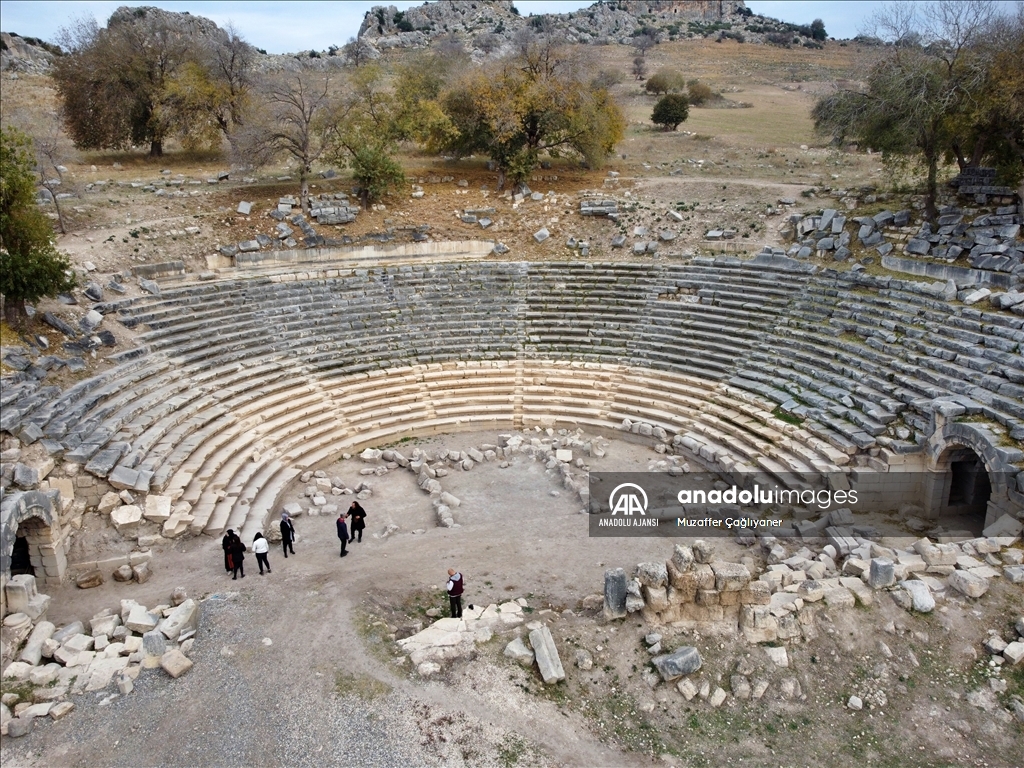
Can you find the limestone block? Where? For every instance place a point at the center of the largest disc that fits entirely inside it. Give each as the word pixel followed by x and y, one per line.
pixel 17 670
pixel 66 632
pixel 682 661
pixel 839 597
pixel 517 651
pixel 20 590
pixel 756 593
pixel 61 709
pixel 921 597
pixel 778 656
pixel 126 519
pixel 104 625
pixel 1014 652
pixel 141 620
pixel 705 576
pixel 811 591
pixel 682 558
pixel 687 688
pixel 182 619
pixel 123 573
pixel 175 663
pixel 656 598
pixel 652 574
pixel 43 676
pixel 33 651
pixel 546 653
pixel 730 577
pixel 968 584
pixel 158 508
pixel 108 503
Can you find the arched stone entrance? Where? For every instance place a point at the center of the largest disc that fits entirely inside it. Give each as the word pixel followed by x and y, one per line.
pixel 972 480
pixel 31 517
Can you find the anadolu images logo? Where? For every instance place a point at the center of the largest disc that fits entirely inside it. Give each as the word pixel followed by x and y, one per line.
pixel 626 502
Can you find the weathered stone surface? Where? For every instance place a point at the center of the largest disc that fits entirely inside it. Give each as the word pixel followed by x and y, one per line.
pixel 652 574
pixel 968 584
pixel 89 579
pixel 32 653
pixel 175 663
pixel 682 661
pixel 142 572
pixel 614 593
pixel 518 651
pixel 546 653
pixel 882 573
pixel 20 726
pixel 1014 652
pixel 921 597
pixel 123 573
pixel 730 577
pixel 182 619
pixel 141 620
pixel 126 519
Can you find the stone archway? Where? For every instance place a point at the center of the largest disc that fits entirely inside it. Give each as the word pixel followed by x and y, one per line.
pixel 32 516
pixel 971 478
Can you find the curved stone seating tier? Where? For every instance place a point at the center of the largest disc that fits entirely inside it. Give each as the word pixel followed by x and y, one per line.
pixel 239 384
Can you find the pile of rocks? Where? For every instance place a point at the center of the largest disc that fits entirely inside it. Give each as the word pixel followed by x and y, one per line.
pixel 115 647
pixel 605 207
pixel 1003 652
pixel 978 183
pixel 448 639
pixel 780 602
pixel 990 241
pixel 556 451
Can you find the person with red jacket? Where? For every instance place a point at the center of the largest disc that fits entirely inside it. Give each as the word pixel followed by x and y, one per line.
pixel 456 584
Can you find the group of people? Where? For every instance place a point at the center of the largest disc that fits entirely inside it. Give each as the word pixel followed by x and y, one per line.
pixel 234 547
pixel 355 517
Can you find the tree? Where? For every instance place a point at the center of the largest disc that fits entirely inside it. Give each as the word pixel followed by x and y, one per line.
pixel 639 67
pixel 664 81
pixel 150 75
pixel 537 101
pixel 298 118
pixel 699 93
pixel 30 265
pixel 818 30
pixel 920 95
pixel 670 111
pixel 645 39
pixel 358 51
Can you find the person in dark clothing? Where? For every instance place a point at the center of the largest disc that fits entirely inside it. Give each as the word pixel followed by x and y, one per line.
pixel 358 515
pixel 287 534
pixel 226 543
pixel 343 533
pixel 455 586
pixel 260 548
pixel 237 557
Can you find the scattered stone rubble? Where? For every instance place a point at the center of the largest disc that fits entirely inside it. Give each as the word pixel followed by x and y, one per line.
pixel 988 241
pixel 555 449
pixel 694 589
pixel 112 648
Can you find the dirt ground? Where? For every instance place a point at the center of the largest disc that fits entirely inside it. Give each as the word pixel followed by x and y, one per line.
pixel 330 688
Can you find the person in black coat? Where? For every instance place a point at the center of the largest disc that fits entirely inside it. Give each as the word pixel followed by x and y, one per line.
pixel 358 515
pixel 343 533
pixel 287 534
pixel 226 544
pixel 237 557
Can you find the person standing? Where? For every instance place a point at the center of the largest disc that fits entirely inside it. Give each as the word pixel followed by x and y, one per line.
pixel 287 534
pixel 260 548
pixel 456 584
pixel 358 515
pixel 343 533
pixel 237 557
pixel 226 544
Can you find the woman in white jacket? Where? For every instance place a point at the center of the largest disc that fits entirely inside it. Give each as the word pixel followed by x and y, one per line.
pixel 260 547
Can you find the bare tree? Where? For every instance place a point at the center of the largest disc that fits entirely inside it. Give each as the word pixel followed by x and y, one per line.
pixel 53 150
pixel 357 51
pixel 647 39
pixel 230 60
pixel 298 117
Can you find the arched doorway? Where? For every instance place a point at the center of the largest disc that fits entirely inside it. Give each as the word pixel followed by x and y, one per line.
pixel 31 540
pixel 963 490
pixel 32 536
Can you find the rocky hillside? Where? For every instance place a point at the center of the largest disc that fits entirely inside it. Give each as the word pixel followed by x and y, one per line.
pixel 488 25
pixel 25 54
